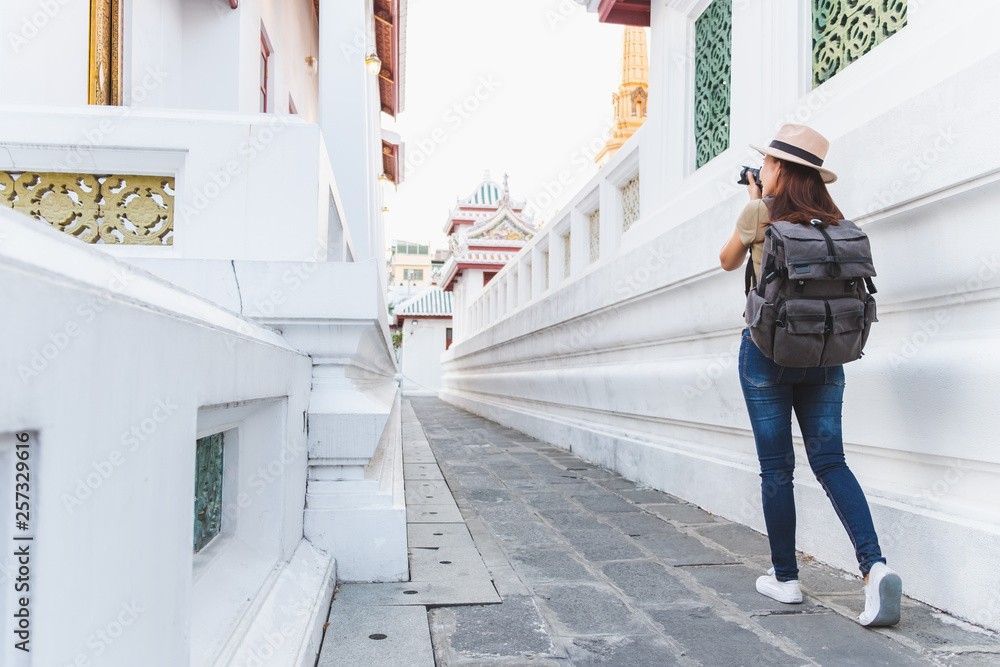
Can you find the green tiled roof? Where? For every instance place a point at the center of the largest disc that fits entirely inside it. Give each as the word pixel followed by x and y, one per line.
pixel 433 303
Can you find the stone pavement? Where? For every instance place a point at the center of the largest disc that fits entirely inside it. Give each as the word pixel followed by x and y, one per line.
pixel 592 569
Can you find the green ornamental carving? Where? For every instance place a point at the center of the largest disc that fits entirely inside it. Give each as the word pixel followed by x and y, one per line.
pixel 712 64
pixel 208 490
pixel 845 30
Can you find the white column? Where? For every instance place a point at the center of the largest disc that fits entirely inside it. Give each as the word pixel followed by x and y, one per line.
pixel 611 216
pixel 525 274
pixel 771 66
pixel 580 254
pixel 668 145
pixel 538 273
pixel 652 165
pixel 557 255
pixel 348 115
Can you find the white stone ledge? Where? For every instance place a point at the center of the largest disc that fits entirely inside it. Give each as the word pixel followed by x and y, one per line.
pixel 34 247
pixel 286 630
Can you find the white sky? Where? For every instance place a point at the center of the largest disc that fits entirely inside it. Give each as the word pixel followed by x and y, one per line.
pixel 549 69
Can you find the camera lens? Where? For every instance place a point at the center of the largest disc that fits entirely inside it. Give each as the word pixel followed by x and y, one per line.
pixel 743 176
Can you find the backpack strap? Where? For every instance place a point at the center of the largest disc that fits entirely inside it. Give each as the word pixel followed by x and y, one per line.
pixel 749 276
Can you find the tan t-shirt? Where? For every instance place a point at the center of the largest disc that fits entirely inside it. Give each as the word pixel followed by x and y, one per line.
pixel 751 227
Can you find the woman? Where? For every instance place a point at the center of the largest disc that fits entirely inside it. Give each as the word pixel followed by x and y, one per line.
pixel 793 188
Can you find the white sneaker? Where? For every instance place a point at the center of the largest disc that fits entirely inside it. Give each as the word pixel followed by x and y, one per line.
pixel 782 591
pixel 882 595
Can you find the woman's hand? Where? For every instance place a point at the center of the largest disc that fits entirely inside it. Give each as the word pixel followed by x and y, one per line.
pixel 753 187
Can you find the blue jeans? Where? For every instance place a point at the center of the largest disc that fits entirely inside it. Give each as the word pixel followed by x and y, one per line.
pixel 817 395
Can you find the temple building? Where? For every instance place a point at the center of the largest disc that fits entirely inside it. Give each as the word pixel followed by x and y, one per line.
pixel 424 323
pixel 485 231
pixel 630 100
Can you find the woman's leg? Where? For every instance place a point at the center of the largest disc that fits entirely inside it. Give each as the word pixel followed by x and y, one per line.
pixel 818 406
pixel 770 407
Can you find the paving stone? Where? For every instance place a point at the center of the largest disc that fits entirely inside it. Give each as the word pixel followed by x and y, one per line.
pixel 418 457
pixel 559 478
pixel 548 501
pixel 433 514
pixel 505 580
pixel 585 609
pixel 579 489
pixel 926 625
pixel 455 564
pixel 547 527
pixel 428 492
pixel 463 467
pixel 525 456
pixel 640 523
pixel 736 584
pixel 554 564
pixel 632 651
pixel 489 496
pixel 595 474
pixel 526 533
pixel 607 504
pixel 504 464
pixel 512 629
pixel 648 583
pixel 645 496
pixel 831 639
pixel 603 545
pixel 506 512
pixel 572 519
pixel 417 593
pixel 484 481
pixel 616 483
pixel 819 579
pixel 680 549
pixel 737 538
pixel 934 629
pixel 527 484
pixel 376 636
pixel 437 534
pixel 711 640
pixel 418 471
pixel 683 513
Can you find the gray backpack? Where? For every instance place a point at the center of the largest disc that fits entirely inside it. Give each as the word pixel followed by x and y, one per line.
pixel 812 304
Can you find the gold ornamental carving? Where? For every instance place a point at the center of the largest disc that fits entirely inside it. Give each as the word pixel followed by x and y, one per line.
pixel 105 74
pixel 130 210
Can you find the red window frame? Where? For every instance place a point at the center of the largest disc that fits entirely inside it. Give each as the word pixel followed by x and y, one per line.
pixel 447 337
pixel 488 276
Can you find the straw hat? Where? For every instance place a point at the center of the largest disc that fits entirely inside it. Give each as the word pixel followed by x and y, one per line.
pixel 801 145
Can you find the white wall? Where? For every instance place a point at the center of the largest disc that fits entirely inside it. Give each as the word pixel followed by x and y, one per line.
pixel 44 52
pixel 423 342
pixel 347 35
pixel 239 182
pixel 113 461
pixel 190 54
pixel 632 360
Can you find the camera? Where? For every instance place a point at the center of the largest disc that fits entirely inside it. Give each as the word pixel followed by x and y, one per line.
pixel 743 176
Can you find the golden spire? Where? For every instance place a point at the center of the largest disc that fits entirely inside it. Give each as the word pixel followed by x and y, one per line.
pixel 630 100
pixel 635 68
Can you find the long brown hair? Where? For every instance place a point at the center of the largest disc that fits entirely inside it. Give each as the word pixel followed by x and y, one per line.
pixel 801 196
